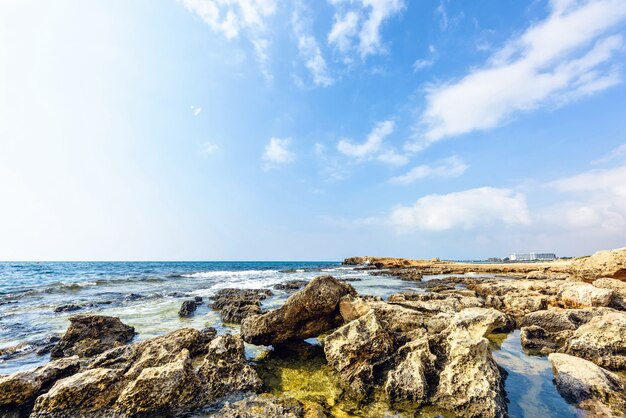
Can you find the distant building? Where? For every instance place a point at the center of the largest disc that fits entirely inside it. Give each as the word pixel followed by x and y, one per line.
pixel 532 257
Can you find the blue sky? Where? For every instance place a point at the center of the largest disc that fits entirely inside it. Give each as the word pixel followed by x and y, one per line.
pixel 294 130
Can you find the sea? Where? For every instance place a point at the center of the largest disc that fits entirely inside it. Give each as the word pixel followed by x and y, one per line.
pixel 148 295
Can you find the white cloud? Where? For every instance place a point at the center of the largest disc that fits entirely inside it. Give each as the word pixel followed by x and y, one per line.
pixel 467 209
pixel 555 61
pixel 615 154
pixel 357 24
pixel 209 148
pixel 448 167
pixel 232 17
pixel 277 153
pixel 423 63
pixel 611 180
pixel 195 110
pixel 443 15
pixel 309 48
pixel 371 145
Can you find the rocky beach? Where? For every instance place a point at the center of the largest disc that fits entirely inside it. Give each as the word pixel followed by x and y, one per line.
pixel 444 339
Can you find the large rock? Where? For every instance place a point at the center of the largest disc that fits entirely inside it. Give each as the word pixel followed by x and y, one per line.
pixel 548 330
pixel 268 406
pixel 470 382
pixel 156 377
pixel 581 295
pixel 355 349
pixel 602 340
pixel 601 264
pixel 409 380
pixel 237 304
pixel 307 313
pixel 19 390
pixel 517 297
pixel 435 302
pixel 89 335
pixel 619 291
pixel 187 308
pixel 591 387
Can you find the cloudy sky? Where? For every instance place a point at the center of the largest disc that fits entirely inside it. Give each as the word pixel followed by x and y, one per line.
pixel 310 130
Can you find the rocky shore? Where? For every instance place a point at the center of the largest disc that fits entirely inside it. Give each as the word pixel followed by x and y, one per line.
pixel 334 352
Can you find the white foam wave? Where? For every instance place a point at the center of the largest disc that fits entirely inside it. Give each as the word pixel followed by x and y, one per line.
pixel 229 273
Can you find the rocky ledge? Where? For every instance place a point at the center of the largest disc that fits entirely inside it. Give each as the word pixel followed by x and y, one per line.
pixel 418 351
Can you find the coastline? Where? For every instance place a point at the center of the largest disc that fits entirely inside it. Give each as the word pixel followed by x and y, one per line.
pixel 444 339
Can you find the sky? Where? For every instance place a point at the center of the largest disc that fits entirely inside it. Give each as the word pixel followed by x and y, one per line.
pixel 311 130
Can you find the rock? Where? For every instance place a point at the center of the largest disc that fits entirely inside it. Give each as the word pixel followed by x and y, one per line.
pixel 225 369
pixel 67 308
pixel 591 387
pixel 268 406
pixel 601 264
pixel 619 291
pixel 19 390
pixel 351 308
pixel 602 340
pixel 547 330
pixel 133 297
pixel 236 304
pixel 89 335
pixel 580 295
pixel 355 349
pixel 470 382
pixel 409 379
pixel 187 308
pixel 306 314
pixel 155 377
pixel 517 297
pixel 41 346
pixel 435 302
pixel 198 299
pixel 291 285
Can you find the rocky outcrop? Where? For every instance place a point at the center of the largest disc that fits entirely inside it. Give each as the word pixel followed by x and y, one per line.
pixel 547 330
pixel 355 349
pixel 435 302
pixel 156 377
pixel 265 405
pixel 593 388
pixel 602 340
pixel 291 285
pixel 602 264
pixel 89 335
pixel 619 291
pixel 413 374
pixel 19 390
pixel 579 295
pixel 517 297
pixel 236 304
pixel 187 308
pixel 308 313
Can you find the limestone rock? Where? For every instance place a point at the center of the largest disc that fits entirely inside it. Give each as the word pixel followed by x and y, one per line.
pixel 89 335
pixel 578 295
pixel 291 285
pixel 619 291
pixel 307 313
pixel 435 302
pixel 268 406
pixel 601 264
pixel 187 308
pixel 236 304
pixel 21 388
pixel 602 340
pixel 355 349
pixel 590 386
pixel 351 308
pixel 409 379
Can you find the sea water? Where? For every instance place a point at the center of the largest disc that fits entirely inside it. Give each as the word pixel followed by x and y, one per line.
pixel 148 295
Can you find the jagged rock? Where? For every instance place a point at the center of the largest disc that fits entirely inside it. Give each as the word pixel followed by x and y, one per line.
pixel 198 300
pixel 236 304
pixel 619 291
pixel 579 295
pixel 435 302
pixel 601 264
pixel 351 308
pixel 602 340
pixel 409 379
pixel 19 390
pixel 307 313
pixel 291 285
pixel 89 335
pixel 593 388
pixel 41 346
pixel 534 337
pixel 546 275
pixel 187 308
pixel 470 383
pixel 269 406
pixel 517 297
pixel 67 308
pixel 156 377
pixel 355 349
pixel 225 369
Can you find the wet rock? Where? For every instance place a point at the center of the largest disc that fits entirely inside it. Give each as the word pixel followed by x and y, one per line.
pixel 619 291
pixel 601 264
pixel 578 295
pixel 89 335
pixel 156 377
pixel 547 330
pixel 67 308
pixel 236 304
pixel 19 390
pixel 40 346
pixel 602 340
pixel 133 297
pixel 355 349
pixel 306 314
pixel 593 388
pixel 409 380
pixel 198 299
pixel 291 285
pixel 187 308
pixel 470 382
